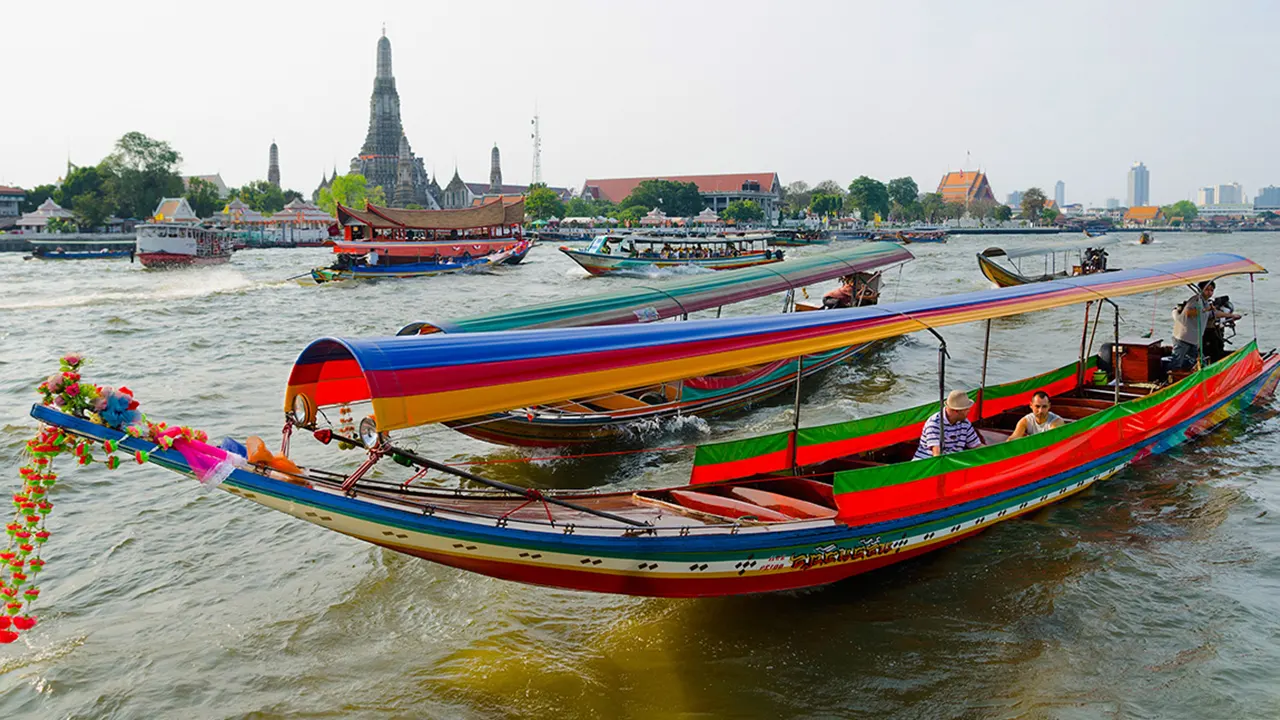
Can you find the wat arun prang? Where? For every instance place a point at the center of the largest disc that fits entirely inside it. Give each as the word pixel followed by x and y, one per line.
pixel 386 158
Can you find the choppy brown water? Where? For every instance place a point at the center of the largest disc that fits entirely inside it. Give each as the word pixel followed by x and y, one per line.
pixel 1153 595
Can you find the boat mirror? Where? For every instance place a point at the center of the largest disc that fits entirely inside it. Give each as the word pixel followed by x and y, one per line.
pixel 304 411
pixel 369 432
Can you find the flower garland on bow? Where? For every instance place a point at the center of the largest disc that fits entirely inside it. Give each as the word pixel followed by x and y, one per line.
pixel 27 534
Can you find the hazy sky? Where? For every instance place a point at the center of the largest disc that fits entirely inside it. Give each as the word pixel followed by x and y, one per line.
pixel 1035 91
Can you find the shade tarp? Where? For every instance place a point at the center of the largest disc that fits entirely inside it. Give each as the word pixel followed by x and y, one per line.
pixel 419 379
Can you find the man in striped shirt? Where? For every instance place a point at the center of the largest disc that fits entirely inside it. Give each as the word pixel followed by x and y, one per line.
pixel 952 434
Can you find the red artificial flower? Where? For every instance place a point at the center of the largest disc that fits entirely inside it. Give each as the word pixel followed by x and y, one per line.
pixel 24 622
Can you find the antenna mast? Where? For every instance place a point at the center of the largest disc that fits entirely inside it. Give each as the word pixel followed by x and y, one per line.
pixel 537 147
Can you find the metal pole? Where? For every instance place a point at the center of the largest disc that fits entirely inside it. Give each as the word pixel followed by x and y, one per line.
pixel 1084 334
pixel 1116 353
pixel 982 385
pixel 795 420
pixel 1253 310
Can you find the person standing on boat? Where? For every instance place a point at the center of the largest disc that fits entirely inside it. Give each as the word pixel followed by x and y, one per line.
pixel 1190 320
pixel 1039 419
pixel 948 431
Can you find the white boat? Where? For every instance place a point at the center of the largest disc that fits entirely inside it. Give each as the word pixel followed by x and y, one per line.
pixel 168 244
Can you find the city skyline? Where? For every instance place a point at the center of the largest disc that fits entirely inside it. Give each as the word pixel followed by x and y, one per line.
pixel 683 107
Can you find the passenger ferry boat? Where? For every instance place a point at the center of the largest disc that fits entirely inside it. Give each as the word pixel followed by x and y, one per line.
pixel 176 244
pixel 618 253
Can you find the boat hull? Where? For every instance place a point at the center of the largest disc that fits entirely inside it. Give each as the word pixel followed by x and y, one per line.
pixel 602 264
pixel 161 260
pixel 675 560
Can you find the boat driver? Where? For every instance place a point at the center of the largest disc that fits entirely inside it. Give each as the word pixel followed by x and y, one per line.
pixel 1039 419
pixel 952 434
pixel 1189 320
pixel 841 297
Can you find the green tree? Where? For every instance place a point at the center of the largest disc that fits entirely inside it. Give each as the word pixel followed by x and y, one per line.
pixel 932 207
pixel 676 199
pixel 59 225
pixel 584 206
pixel 1049 214
pixel 1033 201
pixel 91 210
pixel 953 210
pixel 542 203
pixel 903 191
pixel 83 180
pixel 262 196
pixel 982 208
pixel 351 190
pixel 631 214
pixel 870 196
pixel 1002 213
pixel 829 187
pixel 36 196
pixel 824 205
pixel 203 197
pixel 743 211
pixel 796 196
pixel 143 171
pixel 1184 209
pixel 291 195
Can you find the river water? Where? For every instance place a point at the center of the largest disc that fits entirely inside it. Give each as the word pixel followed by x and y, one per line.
pixel 1152 595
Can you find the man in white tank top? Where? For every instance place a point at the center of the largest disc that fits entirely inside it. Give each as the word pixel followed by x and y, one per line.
pixel 1039 419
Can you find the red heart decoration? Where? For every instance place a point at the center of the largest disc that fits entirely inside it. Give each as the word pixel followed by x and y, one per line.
pixel 4 622
pixel 24 622
pixel 8 636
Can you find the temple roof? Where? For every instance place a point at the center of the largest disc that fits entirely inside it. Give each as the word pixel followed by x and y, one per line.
pixel 964 186
pixel 175 210
pixel 300 211
pixel 492 214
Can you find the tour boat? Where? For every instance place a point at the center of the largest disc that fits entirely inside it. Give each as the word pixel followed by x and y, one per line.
pixel 383 242
pixel 795 509
pixel 643 253
pixel 1060 260
pixel 799 238
pixel 609 416
pixel 172 244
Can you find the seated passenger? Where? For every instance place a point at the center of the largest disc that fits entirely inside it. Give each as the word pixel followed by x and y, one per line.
pixel 952 434
pixel 841 297
pixel 1039 419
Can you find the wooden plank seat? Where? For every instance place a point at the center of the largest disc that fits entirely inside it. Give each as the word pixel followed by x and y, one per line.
pixel 789 506
pixel 725 506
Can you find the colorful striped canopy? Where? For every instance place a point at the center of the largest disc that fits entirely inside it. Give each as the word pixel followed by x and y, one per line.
pixel 656 302
pixel 418 379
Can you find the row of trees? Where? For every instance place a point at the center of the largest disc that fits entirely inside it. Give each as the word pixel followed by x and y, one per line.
pixel 131 181
pixel 674 199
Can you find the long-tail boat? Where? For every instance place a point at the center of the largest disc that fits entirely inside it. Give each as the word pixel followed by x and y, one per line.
pixel 799 238
pixel 643 253
pixel 1060 260
pixel 608 416
pixel 411 243
pixel 791 510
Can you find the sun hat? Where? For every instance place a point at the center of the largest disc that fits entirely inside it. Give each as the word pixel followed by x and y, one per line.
pixel 959 400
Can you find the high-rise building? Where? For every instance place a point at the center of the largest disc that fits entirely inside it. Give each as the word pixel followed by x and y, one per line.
pixel 1060 193
pixel 1268 198
pixel 1014 199
pixel 273 165
pixel 1205 196
pixel 386 159
pixel 495 172
pixel 1113 203
pixel 1139 185
pixel 1231 194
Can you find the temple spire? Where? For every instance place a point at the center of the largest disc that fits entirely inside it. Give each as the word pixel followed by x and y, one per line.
pixel 384 57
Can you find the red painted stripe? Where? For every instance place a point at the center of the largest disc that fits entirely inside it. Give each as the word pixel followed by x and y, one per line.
pixel 960 486
pixel 770 462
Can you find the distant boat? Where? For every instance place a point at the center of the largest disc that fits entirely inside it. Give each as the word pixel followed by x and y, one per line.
pixel 172 244
pixel 1144 238
pixel 1076 259
pixel 639 253
pixel 41 253
pixel 1218 231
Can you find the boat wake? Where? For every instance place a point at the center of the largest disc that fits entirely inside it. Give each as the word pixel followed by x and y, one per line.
pixel 656 272
pixel 176 285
